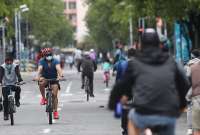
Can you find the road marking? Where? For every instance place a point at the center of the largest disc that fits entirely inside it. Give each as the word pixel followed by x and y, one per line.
pixel 66 95
pixel 46 131
pixel 68 87
pixel 107 89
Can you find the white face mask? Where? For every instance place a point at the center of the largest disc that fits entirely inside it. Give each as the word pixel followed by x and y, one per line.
pixel 49 58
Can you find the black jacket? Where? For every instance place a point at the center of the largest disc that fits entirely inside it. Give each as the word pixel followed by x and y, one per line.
pixel 156 83
pixel 87 66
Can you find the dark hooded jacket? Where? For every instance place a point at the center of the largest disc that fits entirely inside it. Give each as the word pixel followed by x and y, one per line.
pixel 88 66
pixel 156 83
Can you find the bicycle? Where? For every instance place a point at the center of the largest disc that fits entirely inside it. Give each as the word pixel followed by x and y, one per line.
pixel 87 87
pixel 49 97
pixel 11 100
pixel 107 78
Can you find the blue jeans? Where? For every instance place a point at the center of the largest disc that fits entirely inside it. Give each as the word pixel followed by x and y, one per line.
pixel 145 121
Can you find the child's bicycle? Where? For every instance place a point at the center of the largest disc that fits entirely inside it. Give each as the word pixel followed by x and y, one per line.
pixel 107 78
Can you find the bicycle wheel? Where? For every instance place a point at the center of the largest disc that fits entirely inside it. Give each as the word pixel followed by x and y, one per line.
pixel 87 89
pixel 12 119
pixel 11 109
pixel 50 107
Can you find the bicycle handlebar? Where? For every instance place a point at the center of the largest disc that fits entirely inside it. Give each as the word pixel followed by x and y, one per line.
pixel 53 79
pixel 16 84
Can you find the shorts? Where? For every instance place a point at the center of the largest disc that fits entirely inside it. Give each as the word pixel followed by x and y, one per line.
pixel 145 121
pixel 53 83
pixel 196 113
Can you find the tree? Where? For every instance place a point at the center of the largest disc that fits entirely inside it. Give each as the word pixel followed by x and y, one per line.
pixel 7 9
pixel 108 20
pixel 101 27
pixel 48 23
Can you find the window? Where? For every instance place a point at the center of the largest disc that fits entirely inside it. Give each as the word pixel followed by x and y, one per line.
pixel 72 17
pixel 72 5
pixel 65 5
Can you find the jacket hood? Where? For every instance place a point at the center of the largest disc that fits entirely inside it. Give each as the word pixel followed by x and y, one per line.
pixel 153 56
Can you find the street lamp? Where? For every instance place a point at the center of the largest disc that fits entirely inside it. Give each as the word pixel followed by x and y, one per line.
pixel 22 8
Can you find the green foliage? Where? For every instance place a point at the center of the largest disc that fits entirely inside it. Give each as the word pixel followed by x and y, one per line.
pixel 102 28
pixel 48 22
pixel 108 20
pixel 7 9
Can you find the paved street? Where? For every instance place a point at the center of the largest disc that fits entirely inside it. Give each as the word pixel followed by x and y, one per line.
pixel 77 117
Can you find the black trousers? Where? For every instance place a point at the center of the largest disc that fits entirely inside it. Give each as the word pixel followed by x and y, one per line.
pixel 91 78
pixel 6 92
pixel 124 120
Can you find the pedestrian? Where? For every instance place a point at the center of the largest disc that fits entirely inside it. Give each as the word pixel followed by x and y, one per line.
pixel 158 86
pixel 125 104
pixel 195 78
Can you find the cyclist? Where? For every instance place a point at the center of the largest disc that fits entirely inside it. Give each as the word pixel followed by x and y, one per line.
pixel 49 68
pixel 106 69
pixel 88 68
pixel 9 75
pixel 158 86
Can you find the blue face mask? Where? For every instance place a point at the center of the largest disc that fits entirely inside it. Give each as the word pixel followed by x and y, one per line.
pixel 8 66
pixel 49 58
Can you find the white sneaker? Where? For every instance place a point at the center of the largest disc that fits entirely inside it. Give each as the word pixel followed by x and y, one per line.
pixel 189 132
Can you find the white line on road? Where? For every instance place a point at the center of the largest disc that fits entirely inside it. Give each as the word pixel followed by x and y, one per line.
pixel 46 131
pixel 68 87
pixel 107 89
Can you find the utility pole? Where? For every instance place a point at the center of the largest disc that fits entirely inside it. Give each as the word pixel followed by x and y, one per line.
pixel 22 8
pixel 19 31
pixel 131 31
pixel 16 35
pixel 4 41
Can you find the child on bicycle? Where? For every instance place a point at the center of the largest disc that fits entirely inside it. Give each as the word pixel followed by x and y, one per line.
pixel 9 75
pixel 106 70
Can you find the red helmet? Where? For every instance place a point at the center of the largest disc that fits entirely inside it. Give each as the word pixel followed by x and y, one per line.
pixel 46 51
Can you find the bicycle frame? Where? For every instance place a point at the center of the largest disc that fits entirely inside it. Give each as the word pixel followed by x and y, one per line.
pixel 49 96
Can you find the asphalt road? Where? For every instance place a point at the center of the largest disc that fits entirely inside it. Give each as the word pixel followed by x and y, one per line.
pixel 77 117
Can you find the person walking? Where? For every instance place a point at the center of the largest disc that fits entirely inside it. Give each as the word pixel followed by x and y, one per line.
pixel 195 78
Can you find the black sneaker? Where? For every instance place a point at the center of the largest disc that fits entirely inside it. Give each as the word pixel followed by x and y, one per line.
pixel 82 86
pixel 92 95
pixel 6 116
pixel 17 103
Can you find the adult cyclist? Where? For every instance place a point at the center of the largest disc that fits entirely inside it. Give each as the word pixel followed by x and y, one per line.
pixel 49 68
pixel 88 67
pixel 9 75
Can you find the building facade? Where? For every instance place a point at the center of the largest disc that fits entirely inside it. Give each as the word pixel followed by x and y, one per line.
pixel 75 11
